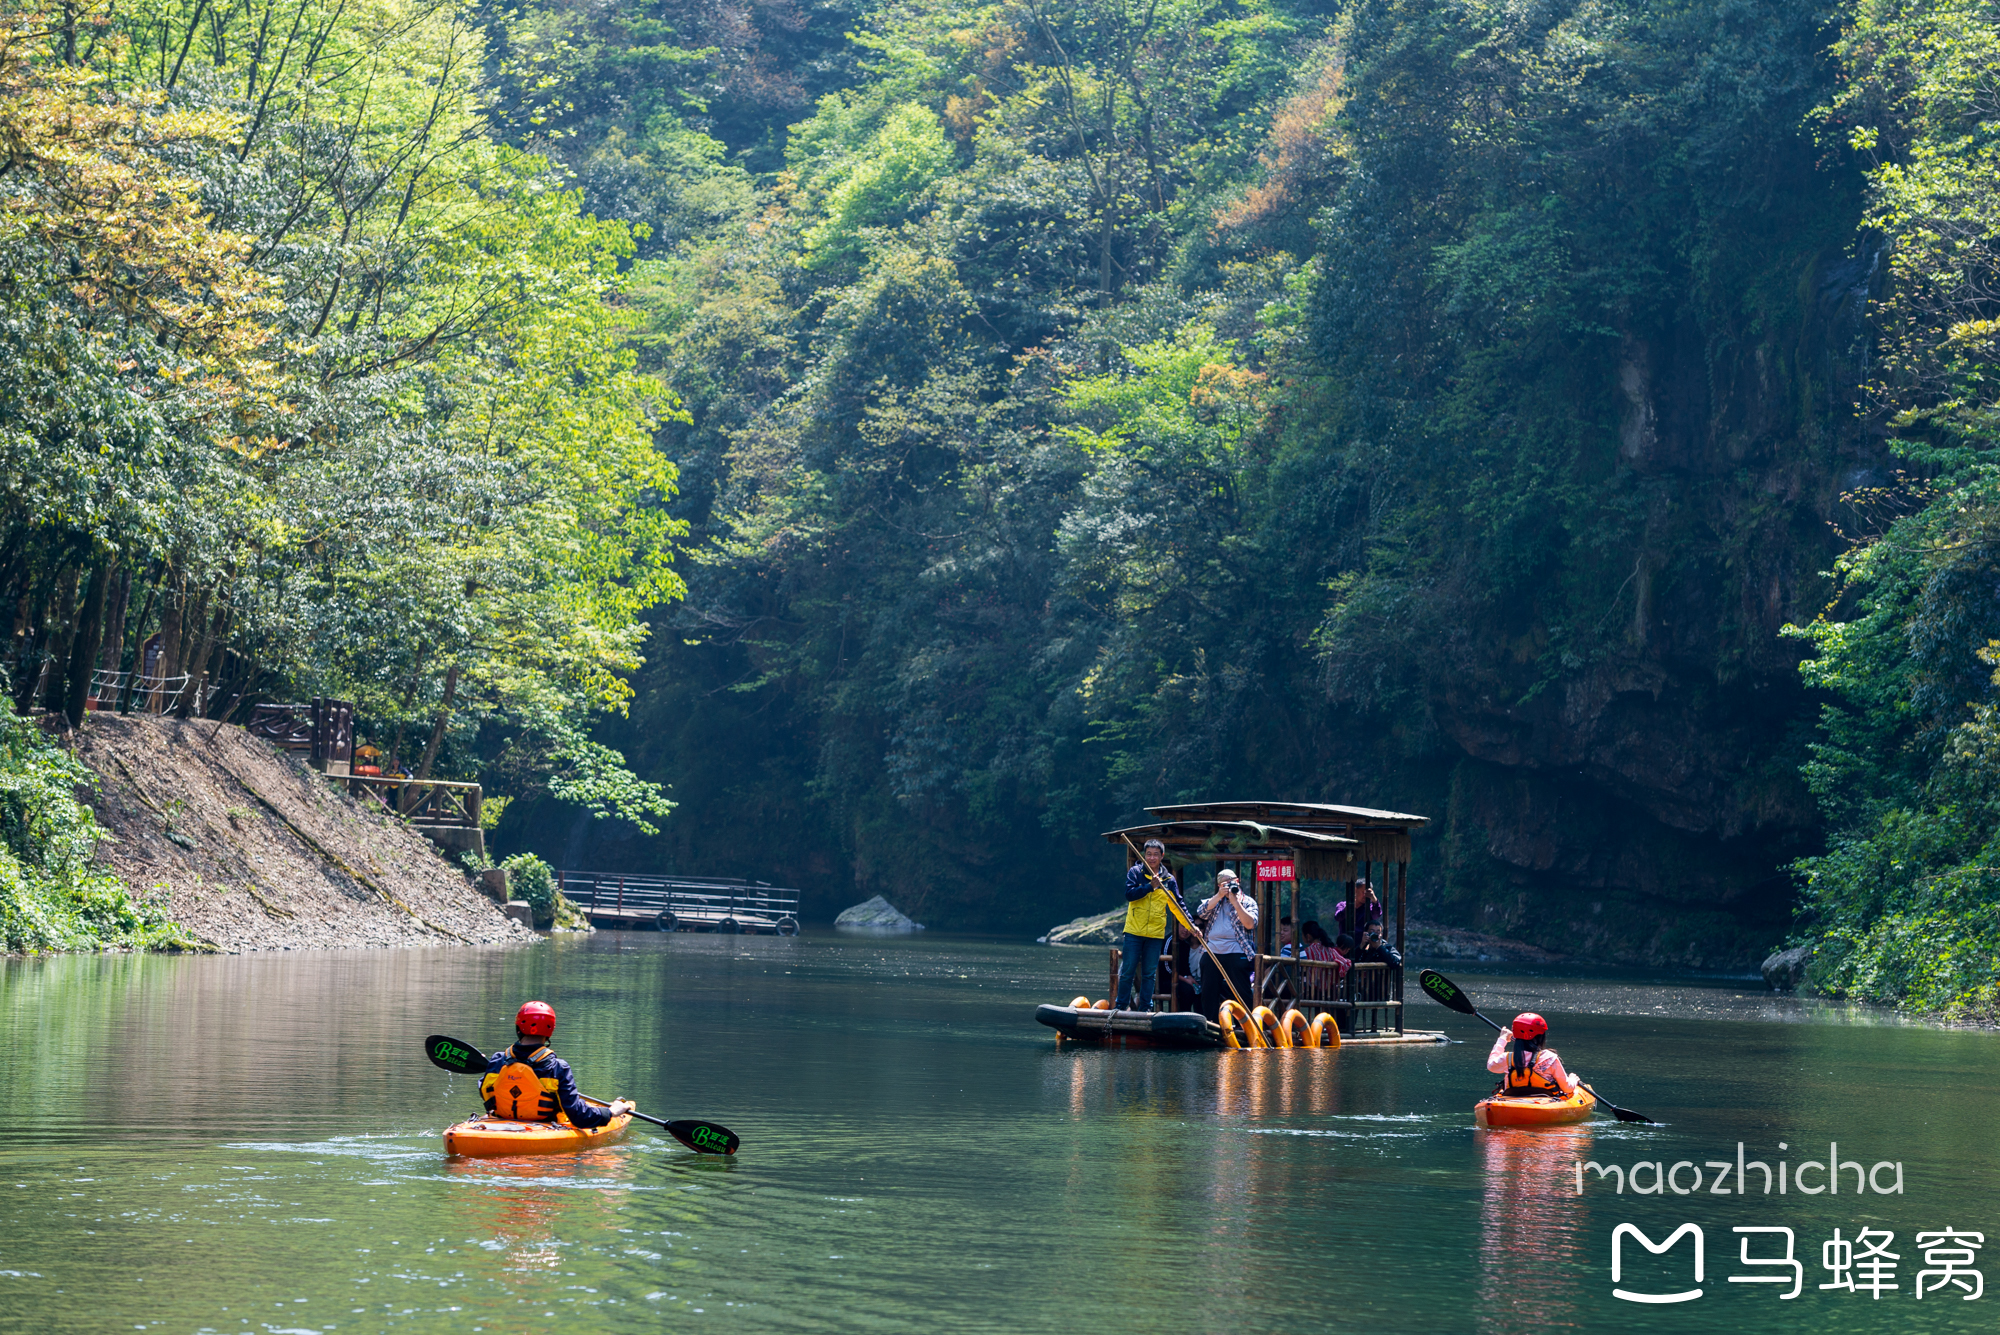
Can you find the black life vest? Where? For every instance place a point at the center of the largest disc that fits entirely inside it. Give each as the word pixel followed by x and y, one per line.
pixel 519 1092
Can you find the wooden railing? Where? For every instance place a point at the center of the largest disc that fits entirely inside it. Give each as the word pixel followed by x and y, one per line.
pixel 147 695
pixel 322 728
pixel 432 803
pixel 1370 996
pixel 285 726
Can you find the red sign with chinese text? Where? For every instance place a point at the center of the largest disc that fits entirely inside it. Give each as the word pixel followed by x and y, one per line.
pixel 1275 871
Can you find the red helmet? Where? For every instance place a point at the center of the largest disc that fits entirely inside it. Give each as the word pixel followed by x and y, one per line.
pixel 1526 1025
pixel 537 1019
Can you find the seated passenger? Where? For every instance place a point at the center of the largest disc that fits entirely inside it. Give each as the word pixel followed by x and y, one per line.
pixel 529 1083
pixel 1278 980
pixel 1374 950
pixel 1320 983
pixel 1527 1067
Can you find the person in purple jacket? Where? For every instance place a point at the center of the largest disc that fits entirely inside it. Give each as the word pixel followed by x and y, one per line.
pixel 1358 913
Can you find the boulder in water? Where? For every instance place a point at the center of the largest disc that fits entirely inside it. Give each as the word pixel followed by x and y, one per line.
pixel 877 915
pixel 1787 968
pixel 1098 929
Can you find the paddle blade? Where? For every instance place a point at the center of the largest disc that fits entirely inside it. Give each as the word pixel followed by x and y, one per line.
pixel 1445 992
pixel 452 1055
pixel 704 1137
pixel 1622 1114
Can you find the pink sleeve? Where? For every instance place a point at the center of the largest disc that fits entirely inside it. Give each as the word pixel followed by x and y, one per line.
pixel 1496 1060
pixel 1551 1066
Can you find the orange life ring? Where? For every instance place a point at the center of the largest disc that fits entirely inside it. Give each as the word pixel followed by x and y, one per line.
pixel 1229 1017
pixel 1298 1029
pixel 1270 1028
pixel 1326 1030
pixel 1080 1004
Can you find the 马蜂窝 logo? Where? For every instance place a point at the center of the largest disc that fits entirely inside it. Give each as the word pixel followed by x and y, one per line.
pixel 1619 1234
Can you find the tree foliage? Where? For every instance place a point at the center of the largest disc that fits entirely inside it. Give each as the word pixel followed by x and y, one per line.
pixel 323 387
pixel 1903 906
pixel 1113 402
pixel 51 895
pixel 1073 405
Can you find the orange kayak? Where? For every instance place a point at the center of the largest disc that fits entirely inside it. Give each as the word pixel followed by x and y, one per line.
pixel 493 1138
pixel 1499 1111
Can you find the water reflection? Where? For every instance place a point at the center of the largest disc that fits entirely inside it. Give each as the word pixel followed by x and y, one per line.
pixel 1261 1083
pixel 1531 1227
pixel 524 1207
pixel 1256 1084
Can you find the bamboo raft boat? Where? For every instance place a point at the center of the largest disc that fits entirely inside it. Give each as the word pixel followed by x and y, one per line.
pixel 1293 1001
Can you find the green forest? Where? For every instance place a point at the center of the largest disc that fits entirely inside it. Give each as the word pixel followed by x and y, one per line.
pixel 877 445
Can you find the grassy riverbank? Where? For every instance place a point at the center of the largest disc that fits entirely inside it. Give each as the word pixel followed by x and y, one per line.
pixel 52 896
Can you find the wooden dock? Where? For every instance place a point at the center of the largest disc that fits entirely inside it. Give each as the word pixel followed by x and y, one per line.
pixel 681 903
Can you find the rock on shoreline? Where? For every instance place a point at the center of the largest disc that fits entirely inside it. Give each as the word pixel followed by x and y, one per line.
pixel 875 915
pixel 1786 969
pixel 1096 929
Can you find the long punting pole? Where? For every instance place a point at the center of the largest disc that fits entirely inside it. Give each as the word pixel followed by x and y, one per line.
pixel 1184 921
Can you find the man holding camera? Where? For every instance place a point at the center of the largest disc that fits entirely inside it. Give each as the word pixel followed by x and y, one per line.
pixel 1375 949
pixel 1227 919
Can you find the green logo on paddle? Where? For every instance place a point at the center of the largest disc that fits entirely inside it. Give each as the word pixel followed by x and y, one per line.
pixel 708 1139
pixel 1439 987
pixel 451 1052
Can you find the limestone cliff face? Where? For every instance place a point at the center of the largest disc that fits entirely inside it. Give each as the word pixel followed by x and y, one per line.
pixel 1642 808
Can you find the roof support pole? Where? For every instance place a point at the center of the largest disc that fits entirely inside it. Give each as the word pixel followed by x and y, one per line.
pixel 1402 914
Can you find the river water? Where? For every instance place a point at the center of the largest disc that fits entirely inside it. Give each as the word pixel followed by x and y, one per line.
pixel 252 1143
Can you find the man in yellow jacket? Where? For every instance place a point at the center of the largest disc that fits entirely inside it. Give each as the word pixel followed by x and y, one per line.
pixel 1145 923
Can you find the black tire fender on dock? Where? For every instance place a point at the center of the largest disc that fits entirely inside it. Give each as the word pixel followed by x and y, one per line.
pixel 666 921
pixel 788 927
pixel 729 927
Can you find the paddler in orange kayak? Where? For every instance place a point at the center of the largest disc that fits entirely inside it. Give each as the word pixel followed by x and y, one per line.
pixel 529 1083
pixel 1528 1068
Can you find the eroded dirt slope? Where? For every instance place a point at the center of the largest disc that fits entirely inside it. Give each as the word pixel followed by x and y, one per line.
pixel 257 852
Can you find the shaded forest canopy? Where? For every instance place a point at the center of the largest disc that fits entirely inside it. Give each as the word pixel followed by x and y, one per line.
pixel 1424 405
pixel 922 433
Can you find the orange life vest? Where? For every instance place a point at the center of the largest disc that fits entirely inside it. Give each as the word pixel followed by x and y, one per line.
pixel 1527 1082
pixel 516 1093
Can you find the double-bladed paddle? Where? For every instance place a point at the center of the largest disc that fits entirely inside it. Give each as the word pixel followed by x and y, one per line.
pixel 462 1058
pixel 1452 997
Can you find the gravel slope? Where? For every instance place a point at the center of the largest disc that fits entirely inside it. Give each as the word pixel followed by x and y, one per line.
pixel 257 852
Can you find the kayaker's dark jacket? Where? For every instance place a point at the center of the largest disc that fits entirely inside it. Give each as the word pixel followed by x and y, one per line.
pixel 556 1088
